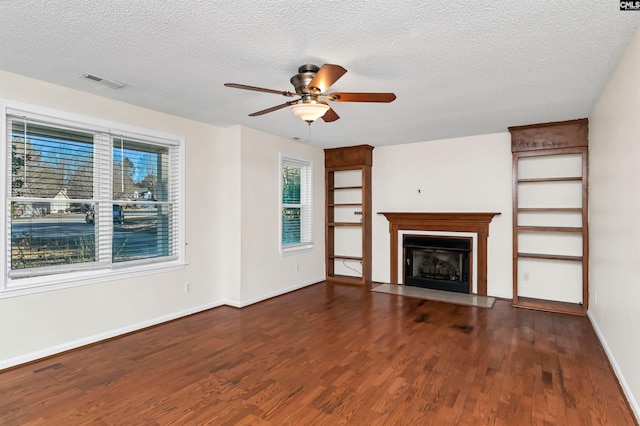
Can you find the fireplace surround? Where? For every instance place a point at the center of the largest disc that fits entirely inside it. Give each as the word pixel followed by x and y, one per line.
pixel 464 222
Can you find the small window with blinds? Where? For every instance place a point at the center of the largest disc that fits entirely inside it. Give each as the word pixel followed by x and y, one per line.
pixel 82 198
pixel 295 205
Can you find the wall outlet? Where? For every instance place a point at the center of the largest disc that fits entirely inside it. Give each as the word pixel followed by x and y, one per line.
pixel 297 267
pixel 595 297
pixel 525 276
pixel 187 287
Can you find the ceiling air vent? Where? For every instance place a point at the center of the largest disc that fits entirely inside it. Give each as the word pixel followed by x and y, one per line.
pixel 109 83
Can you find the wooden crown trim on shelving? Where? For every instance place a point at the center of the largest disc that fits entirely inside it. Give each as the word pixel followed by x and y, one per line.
pixel 555 135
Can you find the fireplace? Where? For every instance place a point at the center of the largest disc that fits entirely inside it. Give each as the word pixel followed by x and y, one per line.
pixel 440 263
pixel 476 223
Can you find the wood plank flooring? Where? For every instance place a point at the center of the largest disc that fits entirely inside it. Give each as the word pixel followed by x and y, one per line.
pixel 330 355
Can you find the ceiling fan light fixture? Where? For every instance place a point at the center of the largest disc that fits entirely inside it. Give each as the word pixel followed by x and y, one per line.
pixel 309 111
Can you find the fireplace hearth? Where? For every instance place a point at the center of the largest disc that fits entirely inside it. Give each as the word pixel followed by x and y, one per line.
pixel 440 263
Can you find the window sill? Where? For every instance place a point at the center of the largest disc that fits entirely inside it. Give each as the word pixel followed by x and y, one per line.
pixel 36 285
pixel 288 251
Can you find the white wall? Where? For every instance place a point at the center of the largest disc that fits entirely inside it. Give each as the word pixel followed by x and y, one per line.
pixel 223 216
pixel 264 270
pixel 218 187
pixel 471 174
pixel 614 219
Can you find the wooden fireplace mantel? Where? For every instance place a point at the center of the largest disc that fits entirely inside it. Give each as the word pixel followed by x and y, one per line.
pixel 472 222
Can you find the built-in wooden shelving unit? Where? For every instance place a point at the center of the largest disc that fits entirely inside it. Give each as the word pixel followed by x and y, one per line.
pixel 550 226
pixel 348 214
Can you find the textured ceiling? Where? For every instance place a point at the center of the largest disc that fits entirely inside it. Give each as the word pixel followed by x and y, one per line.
pixel 458 67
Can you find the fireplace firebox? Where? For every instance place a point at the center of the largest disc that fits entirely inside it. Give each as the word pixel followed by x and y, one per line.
pixel 440 263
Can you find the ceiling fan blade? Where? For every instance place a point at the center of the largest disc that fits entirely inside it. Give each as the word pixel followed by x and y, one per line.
pixel 360 97
pixel 330 115
pixel 259 89
pixel 275 108
pixel 325 77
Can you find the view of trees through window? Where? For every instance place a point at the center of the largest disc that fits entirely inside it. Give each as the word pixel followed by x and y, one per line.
pixel 291 205
pixel 81 196
pixel 49 160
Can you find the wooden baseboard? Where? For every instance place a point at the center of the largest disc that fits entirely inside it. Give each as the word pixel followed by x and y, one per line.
pixel 549 306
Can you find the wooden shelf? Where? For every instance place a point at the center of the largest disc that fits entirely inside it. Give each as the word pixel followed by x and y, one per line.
pixel 550 256
pixel 550 306
pixel 345 279
pixel 337 256
pixel 338 188
pixel 551 179
pixel 344 224
pixel 548 229
pixel 550 209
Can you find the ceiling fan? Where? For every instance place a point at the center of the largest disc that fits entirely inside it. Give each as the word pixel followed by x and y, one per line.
pixel 311 84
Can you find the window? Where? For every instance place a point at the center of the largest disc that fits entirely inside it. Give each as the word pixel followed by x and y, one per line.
pixel 86 199
pixel 295 205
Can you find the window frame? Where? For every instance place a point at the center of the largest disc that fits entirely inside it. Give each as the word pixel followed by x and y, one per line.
pixel 17 286
pixel 306 205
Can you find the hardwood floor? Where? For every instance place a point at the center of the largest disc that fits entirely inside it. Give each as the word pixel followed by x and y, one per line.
pixel 330 355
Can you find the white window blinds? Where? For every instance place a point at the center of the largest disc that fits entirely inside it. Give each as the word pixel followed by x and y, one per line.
pixel 82 197
pixel 296 206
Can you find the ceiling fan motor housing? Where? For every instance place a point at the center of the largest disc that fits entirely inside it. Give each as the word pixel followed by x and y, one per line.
pixel 301 81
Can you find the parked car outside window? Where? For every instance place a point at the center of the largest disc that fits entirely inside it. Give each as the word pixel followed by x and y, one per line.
pixel 118 215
